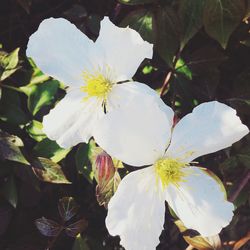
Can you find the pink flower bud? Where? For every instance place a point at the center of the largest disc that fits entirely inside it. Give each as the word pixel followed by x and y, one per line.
pixel 104 169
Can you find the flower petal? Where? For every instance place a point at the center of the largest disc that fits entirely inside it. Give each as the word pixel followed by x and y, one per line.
pixel 60 50
pixel 136 211
pixel 137 129
pixel 124 49
pixel 200 202
pixel 72 120
pixel 211 126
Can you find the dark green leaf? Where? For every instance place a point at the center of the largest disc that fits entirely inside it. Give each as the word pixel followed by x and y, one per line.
pixel 74 229
pixel 49 171
pixel 40 95
pixel 135 2
pixel 9 64
pixel 80 243
pixel 142 21
pixel 34 129
pixel 48 227
pixel 167 34
pixel 67 208
pixel 190 13
pixel 50 149
pixel 10 191
pixel 9 148
pixel 182 68
pixel 221 17
pixel 83 163
pixel 10 108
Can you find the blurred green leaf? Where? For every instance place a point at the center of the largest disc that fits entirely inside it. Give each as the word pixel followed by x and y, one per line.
pixel 11 109
pixel 9 148
pixel 221 17
pixel 142 21
pixel 135 2
pixel 34 129
pixel 67 208
pixel 50 149
pixel 49 171
pixel 8 64
pixel 182 68
pixel 80 243
pixel 48 227
pixel 167 34
pixel 10 191
pixel 40 95
pixel 190 13
pixel 83 163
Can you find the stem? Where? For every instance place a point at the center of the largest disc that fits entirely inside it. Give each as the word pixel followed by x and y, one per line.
pixel 242 184
pixel 190 247
pixel 11 87
pixel 169 74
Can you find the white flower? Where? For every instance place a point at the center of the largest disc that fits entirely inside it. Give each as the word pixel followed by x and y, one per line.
pixel 136 211
pixel 92 71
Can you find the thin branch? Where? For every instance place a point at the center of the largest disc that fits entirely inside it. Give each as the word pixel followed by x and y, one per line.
pixel 242 184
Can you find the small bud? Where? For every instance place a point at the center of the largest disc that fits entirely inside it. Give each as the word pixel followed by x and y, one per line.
pixel 104 169
pixel 107 178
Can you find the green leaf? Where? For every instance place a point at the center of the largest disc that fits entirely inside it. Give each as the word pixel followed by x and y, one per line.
pixel 167 34
pixel 141 21
pixel 50 149
pixel 9 148
pixel 80 243
pixel 82 161
pixel 34 129
pixel 190 13
pixel 10 108
pixel 221 17
pixel 40 95
pixel 182 68
pixel 10 191
pixel 8 64
pixel 135 2
pixel 49 171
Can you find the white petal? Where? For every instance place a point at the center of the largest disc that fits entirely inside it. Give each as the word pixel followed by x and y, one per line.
pixel 72 120
pixel 136 211
pixel 200 203
pixel 211 126
pixel 137 127
pixel 124 49
pixel 60 50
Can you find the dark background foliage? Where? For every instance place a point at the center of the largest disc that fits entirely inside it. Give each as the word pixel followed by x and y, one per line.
pixel 201 54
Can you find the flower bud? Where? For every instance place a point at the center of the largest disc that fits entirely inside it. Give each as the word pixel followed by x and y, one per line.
pixel 104 169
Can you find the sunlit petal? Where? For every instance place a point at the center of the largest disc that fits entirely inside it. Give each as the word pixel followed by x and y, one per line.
pixel 200 202
pixel 137 127
pixel 61 50
pixel 136 211
pixel 124 49
pixel 211 126
pixel 72 120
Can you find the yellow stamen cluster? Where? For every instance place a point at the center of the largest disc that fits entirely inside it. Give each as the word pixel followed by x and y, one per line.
pixel 170 171
pixel 96 85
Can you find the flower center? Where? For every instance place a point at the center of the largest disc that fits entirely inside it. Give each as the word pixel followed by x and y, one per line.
pixel 170 171
pixel 96 85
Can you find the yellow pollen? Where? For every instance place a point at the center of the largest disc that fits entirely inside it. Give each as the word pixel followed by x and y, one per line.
pixel 96 85
pixel 170 171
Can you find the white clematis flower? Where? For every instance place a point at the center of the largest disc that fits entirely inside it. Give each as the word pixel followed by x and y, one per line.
pixel 136 211
pixel 92 71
